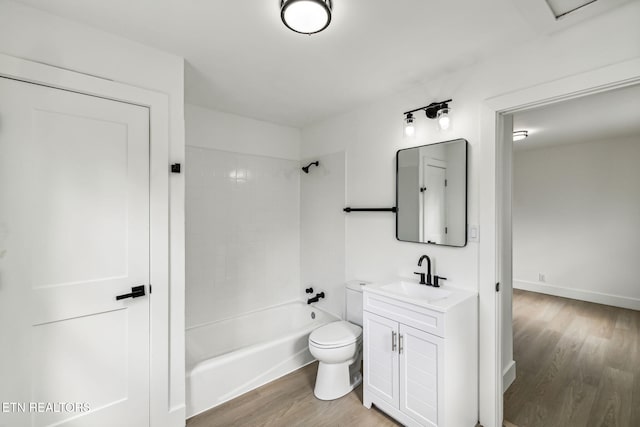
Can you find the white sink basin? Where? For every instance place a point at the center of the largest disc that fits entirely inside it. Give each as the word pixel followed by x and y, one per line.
pixel 416 291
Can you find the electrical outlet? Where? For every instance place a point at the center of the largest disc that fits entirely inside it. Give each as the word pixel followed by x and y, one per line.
pixel 541 277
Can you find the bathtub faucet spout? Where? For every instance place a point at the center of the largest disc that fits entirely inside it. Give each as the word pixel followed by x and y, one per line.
pixel 316 298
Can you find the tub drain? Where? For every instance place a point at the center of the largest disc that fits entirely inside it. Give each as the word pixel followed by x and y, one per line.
pixel 313 314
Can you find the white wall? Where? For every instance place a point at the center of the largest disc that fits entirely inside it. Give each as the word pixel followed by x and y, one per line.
pixel 243 215
pixel 31 34
pixel 576 219
pixel 208 128
pixel 372 134
pixel 323 231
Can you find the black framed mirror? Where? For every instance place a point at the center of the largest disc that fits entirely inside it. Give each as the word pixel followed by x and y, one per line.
pixel 431 193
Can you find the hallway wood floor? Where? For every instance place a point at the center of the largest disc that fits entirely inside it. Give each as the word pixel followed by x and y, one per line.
pixel 289 401
pixel 578 364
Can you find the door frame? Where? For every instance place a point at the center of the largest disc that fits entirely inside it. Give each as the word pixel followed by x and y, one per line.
pixel 494 177
pixel 158 105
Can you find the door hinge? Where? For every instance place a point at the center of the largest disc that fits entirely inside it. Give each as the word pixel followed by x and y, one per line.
pixel 498 287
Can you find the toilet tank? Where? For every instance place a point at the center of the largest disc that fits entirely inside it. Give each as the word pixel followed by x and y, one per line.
pixel 353 301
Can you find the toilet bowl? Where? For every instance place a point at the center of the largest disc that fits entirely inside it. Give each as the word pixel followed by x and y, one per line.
pixel 338 348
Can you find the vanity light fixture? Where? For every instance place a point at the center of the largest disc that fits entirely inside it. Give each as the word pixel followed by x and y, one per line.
pixel 444 121
pixel 435 110
pixel 519 135
pixel 306 16
pixel 409 128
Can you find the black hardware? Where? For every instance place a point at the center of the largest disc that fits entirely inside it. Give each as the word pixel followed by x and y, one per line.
pixel 428 281
pixel 175 168
pixel 136 291
pixel 422 282
pixel 348 209
pixel 316 298
pixel 309 290
pixel 305 169
pixel 432 109
pixel 423 189
pixel 498 287
pixel 436 280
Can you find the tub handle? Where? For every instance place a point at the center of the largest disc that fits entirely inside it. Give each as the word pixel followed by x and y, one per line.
pixel 393 341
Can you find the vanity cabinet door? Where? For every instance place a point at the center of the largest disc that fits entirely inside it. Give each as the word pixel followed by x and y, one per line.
pixel 421 380
pixel 381 357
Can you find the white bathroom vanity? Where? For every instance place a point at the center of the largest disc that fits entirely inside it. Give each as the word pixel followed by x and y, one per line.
pixel 421 353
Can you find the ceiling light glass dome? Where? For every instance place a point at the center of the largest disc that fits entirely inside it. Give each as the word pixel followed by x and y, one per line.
pixel 306 16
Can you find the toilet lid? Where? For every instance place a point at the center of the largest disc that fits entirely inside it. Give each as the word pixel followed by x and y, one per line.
pixel 336 334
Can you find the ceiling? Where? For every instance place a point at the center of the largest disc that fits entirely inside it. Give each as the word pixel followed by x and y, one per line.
pixel 606 115
pixel 240 58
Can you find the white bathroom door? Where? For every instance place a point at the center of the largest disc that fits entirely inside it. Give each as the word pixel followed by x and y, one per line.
pixel 434 204
pixel 74 234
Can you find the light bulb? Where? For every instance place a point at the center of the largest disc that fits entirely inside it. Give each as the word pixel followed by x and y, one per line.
pixel 444 121
pixel 409 128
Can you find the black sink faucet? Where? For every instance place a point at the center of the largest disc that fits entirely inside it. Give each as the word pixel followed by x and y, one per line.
pixel 436 279
pixel 428 274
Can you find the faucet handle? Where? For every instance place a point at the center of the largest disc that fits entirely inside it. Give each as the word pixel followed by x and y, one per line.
pixel 422 282
pixel 436 280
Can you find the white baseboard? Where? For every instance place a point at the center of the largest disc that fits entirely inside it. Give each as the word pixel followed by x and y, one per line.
pixel 590 296
pixel 508 375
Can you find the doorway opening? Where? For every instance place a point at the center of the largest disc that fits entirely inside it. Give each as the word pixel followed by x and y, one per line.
pixel 571 351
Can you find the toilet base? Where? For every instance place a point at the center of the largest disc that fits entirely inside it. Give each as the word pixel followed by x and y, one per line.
pixel 334 380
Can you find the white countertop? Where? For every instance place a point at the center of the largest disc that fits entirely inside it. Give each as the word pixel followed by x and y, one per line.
pixel 457 295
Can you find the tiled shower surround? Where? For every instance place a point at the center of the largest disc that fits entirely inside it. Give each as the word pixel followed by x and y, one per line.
pixel 242 231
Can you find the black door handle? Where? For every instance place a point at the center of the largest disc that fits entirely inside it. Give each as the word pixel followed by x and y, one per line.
pixel 136 291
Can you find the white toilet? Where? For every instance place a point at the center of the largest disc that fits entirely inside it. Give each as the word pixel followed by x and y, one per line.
pixel 338 348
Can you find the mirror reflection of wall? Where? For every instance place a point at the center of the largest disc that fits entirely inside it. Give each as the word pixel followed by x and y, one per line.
pixel 432 194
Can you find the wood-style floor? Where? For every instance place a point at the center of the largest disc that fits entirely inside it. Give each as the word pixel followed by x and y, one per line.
pixel 578 364
pixel 289 401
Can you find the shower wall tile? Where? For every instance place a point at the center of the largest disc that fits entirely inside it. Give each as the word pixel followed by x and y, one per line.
pixel 243 233
pixel 323 231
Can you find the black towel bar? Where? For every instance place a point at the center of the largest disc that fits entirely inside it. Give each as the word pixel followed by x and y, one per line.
pixel 348 209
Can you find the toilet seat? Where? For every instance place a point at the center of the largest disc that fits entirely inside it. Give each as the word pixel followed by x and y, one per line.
pixel 335 334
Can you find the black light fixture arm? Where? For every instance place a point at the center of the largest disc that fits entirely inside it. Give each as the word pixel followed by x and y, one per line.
pixel 432 106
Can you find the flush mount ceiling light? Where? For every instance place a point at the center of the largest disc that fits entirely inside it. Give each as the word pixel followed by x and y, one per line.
pixel 306 16
pixel 519 135
pixel 435 110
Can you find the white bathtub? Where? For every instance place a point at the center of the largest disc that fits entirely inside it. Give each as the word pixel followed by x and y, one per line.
pixel 228 358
